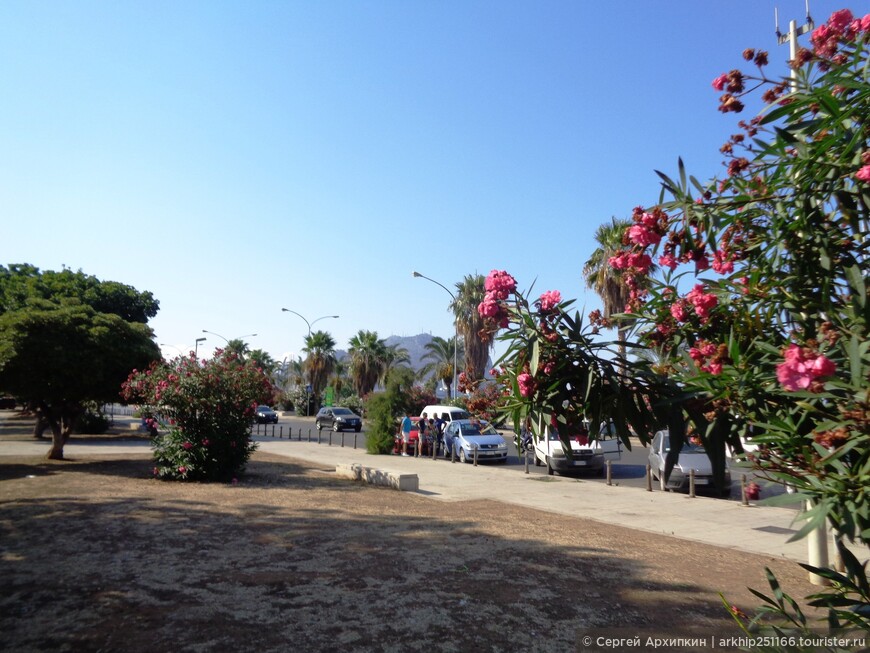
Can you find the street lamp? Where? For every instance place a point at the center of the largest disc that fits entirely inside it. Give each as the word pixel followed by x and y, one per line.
pixel 456 336
pixel 247 335
pixel 166 344
pixel 287 310
pixel 196 349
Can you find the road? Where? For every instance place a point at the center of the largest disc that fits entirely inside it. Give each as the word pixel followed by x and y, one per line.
pixel 629 471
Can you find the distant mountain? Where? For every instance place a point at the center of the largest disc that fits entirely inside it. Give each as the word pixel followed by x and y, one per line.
pixel 416 346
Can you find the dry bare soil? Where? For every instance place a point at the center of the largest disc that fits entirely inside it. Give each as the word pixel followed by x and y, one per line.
pixel 95 555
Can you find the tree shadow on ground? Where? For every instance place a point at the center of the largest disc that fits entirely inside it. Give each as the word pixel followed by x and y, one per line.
pixel 97 557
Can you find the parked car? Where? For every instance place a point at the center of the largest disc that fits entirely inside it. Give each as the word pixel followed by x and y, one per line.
pixel 586 455
pixel 265 415
pixel 692 457
pixel 465 435
pixel 337 419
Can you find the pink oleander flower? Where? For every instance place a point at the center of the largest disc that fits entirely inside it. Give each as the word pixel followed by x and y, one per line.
pixel 641 263
pixel 841 20
pixel 187 446
pixel 526 383
pixel 549 300
pixel 182 469
pixel 801 367
pixel 668 261
pixel 701 263
pixel 722 263
pixel 702 302
pixel 864 174
pixel 620 261
pixel 720 81
pixel 678 310
pixel 500 283
pixel 642 235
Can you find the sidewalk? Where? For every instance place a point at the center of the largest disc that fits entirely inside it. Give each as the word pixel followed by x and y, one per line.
pixel 754 529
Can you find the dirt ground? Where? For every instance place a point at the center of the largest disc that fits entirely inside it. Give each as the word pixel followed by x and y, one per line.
pixel 96 555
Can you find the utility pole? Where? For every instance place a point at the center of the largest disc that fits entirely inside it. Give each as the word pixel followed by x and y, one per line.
pixel 817 540
pixel 791 38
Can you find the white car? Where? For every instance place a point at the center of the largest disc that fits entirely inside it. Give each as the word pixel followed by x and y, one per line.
pixel 586 455
pixel 692 457
pixel 464 436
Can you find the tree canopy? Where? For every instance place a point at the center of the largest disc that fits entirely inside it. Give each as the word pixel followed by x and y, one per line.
pixel 58 349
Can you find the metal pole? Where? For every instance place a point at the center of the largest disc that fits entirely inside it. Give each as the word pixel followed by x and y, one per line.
pixel 526 459
pixel 648 478
pixel 691 483
pixel 743 496
pixel 609 464
pixel 475 456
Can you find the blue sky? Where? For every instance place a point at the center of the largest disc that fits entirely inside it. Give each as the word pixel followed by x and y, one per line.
pixel 234 158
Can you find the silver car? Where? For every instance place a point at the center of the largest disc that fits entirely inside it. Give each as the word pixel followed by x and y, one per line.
pixel 465 436
pixel 692 457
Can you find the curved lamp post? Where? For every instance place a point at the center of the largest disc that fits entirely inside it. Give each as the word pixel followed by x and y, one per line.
pixel 247 335
pixel 196 349
pixel 308 324
pixel 456 326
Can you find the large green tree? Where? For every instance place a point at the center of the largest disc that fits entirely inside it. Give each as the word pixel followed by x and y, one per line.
pixel 56 356
pixel 21 283
pixel 477 334
pixel 320 347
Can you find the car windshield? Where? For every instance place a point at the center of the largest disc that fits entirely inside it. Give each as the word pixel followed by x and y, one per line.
pixel 342 411
pixel 263 408
pixel 489 429
pixel 458 414
pixel 688 446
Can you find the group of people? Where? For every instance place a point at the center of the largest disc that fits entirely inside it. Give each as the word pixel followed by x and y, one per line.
pixel 430 433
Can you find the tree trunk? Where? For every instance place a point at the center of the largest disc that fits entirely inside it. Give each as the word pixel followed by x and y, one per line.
pixel 57 441
pixel 62 421
pixel 40 426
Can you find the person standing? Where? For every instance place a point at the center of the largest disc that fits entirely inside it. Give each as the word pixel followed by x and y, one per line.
pixel 422 427
pixel 407 425
pixel 439 433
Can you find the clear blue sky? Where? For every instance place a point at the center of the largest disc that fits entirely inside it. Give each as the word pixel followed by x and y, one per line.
pixel 235 158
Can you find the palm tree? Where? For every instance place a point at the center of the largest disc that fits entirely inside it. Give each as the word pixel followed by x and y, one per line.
pixel 606 280
pixel 263 360
pixel 396 358
pixel 320 347
pixel 238 347
pixel 477 338
pixel 440 353
pixel 339 376
pixel 367 360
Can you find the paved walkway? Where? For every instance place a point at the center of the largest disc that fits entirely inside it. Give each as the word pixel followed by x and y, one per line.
pixel 756 529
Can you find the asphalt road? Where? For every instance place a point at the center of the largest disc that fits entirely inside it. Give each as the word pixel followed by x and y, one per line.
pixel 630 470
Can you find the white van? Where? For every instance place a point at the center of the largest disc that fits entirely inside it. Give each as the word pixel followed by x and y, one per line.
pixel 447 413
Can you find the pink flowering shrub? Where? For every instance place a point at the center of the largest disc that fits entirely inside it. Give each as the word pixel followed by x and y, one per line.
pixel 207 408
pixel 552 367
pixel 759 309
pixel 759 312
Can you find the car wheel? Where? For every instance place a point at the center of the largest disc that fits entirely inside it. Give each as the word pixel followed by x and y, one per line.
pixel 537 461
pixel 336 427
pixel 318 425
pixel 463 457
pixel 550 470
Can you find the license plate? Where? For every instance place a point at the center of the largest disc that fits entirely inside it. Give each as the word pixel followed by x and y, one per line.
pixel 701 481
pixel 579 463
